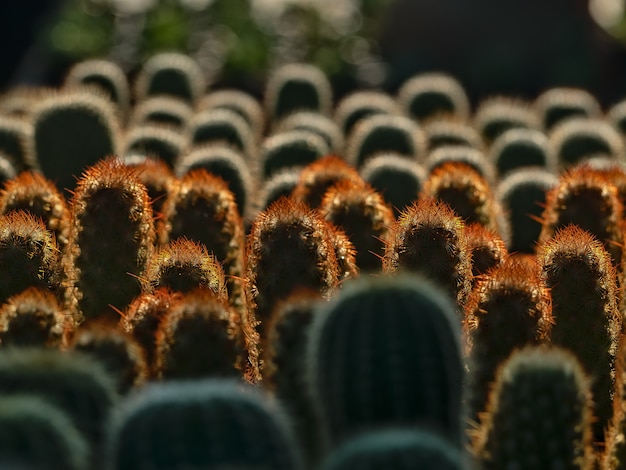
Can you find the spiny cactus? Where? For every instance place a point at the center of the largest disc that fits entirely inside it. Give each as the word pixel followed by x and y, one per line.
pixel 156 142
pixel 345 254
pixel 522 195
pixel 201 424
pixel 72 131
pixel 468 156
pixel 297 87
pixel 539 414
pixel 278 186
pixel 487 248
pixel 317 123
pixel 110 242
pixel 35 434
pixel 508 309
pixel 33 318
pixel 385 134
pixel 400 449
pixel 359 105
pixel 398 180
pixel 29 256
pixel 18 102
pixel 613 171
pixel 497 115
pixel 556 105
pixel 578 271
pixel 365 218
pixel 156 176
pixel 223 127
pixel 386 352
pixel 318 177
pixel 443 132
pixel 170 73
pixel 617 116
pixel 32 192
pixel 14 136
pixel 429 239
pixel 291 149
pixel 240 102
pixel 429 95
pixel 579 138
pixel 614 456
pixel 7 170
pixel 162 110
pixel 521 148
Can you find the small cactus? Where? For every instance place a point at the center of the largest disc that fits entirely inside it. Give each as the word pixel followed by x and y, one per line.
pixel 282 184
pixel 223 127
pixel 317 123
pixel 556 105
pixel 487 248
pixel 617 116
pixel 14 135
pixel 291 149
pixel 156 176
pixel 240 102
pixel 444 132
pixel 497 115
pixel 461 154
pixel 162 110
pixel 520 148
pixel 156 142
pixel 7 170
pixel 359 105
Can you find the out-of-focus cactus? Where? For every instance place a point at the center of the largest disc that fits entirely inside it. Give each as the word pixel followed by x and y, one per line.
pixel 487 248
pixel 317 123
pixel 278 186
pixel 291 149
pixel 156 142
pixel 359 105
pixel 460 154
pixel 444 132
pixel 240 102
pixel 7 170
pixel 223 127
pixel 556 105
pixel 521 148
pixel 14 136
pixel 162 110
pixel 156 176
pixel 497 115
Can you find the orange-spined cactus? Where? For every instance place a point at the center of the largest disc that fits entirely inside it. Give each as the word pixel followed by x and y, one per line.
pixel 487 248
pixel 156 176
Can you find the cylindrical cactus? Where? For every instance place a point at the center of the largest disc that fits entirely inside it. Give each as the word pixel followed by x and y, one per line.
pixel 461 154
pixel 14 135
pixel 162 110
pixel 156 142
pixel 496 115
pixel 444 132
pixel 317 123
pixel 520 148
pixel 361 104
pixel 276 187
pixel 240 102
pixel 556 105
pixel 290 149
pixel 487 248
pixel 222 127
pixel 156 176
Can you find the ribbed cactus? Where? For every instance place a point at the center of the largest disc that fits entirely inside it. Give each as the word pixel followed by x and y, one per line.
pixel 462 154
pixel 72 131
pixel 387 352
pixel 556 105
pixel 364 216
pixel 29 256
pixel 520 148
pixel 496 115
pixel 487 248
pixel 317 123
pixel 297 87
pixel 162 110
pixel 577 139
pixel 318 177
pixel 508 309
pixel 583 285
pixel 14 135
pixel 443 132
pixel 32 192
pixel 278 186
pixel 359 105
pixel 400 449
pixel 539 415
pixel 156 142
pixel 429 238
pixel 37 435
pixel 398 180
pixel 385 134
pixel 156 176
pixel 110 242
pixel 170 73
pixel 33 318
pixel 240 102
pixel 429 95
pixel 224 127
pixel 290 149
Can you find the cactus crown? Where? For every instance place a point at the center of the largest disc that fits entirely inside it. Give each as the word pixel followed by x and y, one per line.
pixel 468 156
pixel 240 102
pixel 444 132
pixel 155 175
pixel 281 185
pixel 291 149
pixel 555 105
pixel 317 123
pixel 496 115
pixel 157 142
pixel 487 248
pixel 225 127
pixel 361 104
pixel 520 148
pixel 162 110
pixel 7 170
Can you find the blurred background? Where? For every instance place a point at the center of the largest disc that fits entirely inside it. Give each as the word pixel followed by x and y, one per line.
pixel 514 47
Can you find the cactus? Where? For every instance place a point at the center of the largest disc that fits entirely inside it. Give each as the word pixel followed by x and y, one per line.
pixel 317 123
pixel 487 248
pixel 36 435
pixel 345 253
pixel 583 284
pixel 614 172
pixel 156 176
pixel 173 74
pixel 19 101
pixel 29 256
pixel 359 105
pixel 121 356
pixel 387 352
pixel 291 149
pixel 539 414
pixel 580 138
pixel 318 177
pixel 110 242
pixel 297 87
pixel 440 133
pixel 33 318
pixel 429 95
pixel 14 135
pixel 72 131
pixel 520 148
pixel 223 127
pixel 556 105
pixel 201 424
pixel 385 134
pixel 398 180
pixel 162 110
pixel 240 102
pixel 429 239
pixel 281 185
pixel 614 455
pixel 7 170
pixel 497 115
pixel 33 193
pixel 508 309
pixel 156 142
pixel 400 449
pixel 617 116
pixel 365 218
pixel 522 195
pixel 474 158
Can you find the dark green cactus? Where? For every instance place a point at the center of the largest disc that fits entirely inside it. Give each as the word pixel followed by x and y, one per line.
pixel 583 285
pixel 400 449
pixel 385 134
pixel 462 154
pixel 442 132
pixel 431 95
pixel 520 148
pixel 72 131
pixel 522 195
pixel 223 127
pixel 497 115
pixel 111 241
pixel 617 116
pixel 156 142
pixel 156 176
pixel 539 415
pixel 508 309
pixel 7 170
pixel 398 180
pixel 317 123
pixel 278 186
pixel 556 105
pixel 37 435
pixel 290 149
pixel 359 105
pixel 172 74
pixel 18 102
pixel 162 110
pixel 240 102
pixel 487 248
pixel 201 424
pixel 14 136
pixel 387 352
pixel 614 455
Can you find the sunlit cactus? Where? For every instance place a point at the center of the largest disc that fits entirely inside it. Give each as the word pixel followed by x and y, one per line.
pixel 317 123
pixel 487 248
pixel 556 105
pixel 18 101
pixel 521 148
pixel 454 153
pixel 162 110
pixel 7 170
pixel 359 105
pixel 290 149
pixel 14 136
pixel 496 115
pixel 278 186
pixel 223 127
pixel 345 254
pixel 617 116
pixel 443 132
pixel 240 102
pixel 156 176
pixel 613 171
pixel 155 142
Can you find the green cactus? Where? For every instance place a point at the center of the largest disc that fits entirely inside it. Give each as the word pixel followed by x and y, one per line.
pixel 617 116
pixel 475 158
pixel 539 414
pixel 494 116
pixel 317 123
pixel 361 104
pixel 520 148
pixel 387 352
pixel 162 110
pixel 201 424
pixel 443 132
pixel 7 170
pixel 14 136
pixel 290 149
pixel 614 455
pixel 18 101
pixel 556 105
pixel 156 142
pixel 223 127
pixel 280 185
pixel 240 102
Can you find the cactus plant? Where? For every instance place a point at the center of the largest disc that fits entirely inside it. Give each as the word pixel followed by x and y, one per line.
pixel 224 127
pixel 156 142
pixel 617 116
pixel 443 132
pixel 317 123
pixel 162 110
pixel 156 176
pixel 14 136
pixel 539 414
pixel 7 170
pixel 461 154
pixel 556 105
pixel 387 352
pixel 521 148
pixel 345 253
pixel 240 102
pixel 18 102
pixel 613 171
pixel 281 185
pixel 487 248
pixel 496 115
pixel 291 149
pixel 201 424
pixel 614 455
pixel 359 105
pixel 111 240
